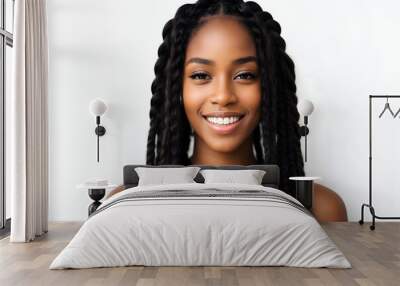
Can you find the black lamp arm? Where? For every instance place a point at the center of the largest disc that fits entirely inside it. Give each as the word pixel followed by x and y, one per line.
pixel 304 132
pixel 100 131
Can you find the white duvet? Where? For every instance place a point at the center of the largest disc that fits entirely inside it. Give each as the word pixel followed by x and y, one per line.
pixel 182 231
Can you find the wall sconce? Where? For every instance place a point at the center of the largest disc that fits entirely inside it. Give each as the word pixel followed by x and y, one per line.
pixel 97 107
pixel 305 108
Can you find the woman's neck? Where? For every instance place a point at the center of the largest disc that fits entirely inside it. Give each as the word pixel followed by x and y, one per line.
pixel 203 155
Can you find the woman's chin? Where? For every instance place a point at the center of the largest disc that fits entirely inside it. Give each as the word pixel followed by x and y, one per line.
pixel 223 146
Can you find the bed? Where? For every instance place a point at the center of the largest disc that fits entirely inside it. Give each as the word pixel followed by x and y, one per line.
pixel 201 224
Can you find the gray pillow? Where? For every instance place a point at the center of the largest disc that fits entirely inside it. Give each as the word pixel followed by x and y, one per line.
pixel 249 177
pixel 162 176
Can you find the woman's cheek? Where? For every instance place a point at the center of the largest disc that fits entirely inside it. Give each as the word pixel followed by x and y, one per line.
pixel 252 100
pixel 192 104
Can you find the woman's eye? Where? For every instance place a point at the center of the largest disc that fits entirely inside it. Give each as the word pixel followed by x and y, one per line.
pixel 200 76
pixel 247 75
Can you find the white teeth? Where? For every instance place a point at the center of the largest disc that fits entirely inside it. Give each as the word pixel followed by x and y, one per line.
pixel 223 120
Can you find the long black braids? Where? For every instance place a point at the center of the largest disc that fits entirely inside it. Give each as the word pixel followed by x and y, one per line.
pixel 157 99
pixel 277 137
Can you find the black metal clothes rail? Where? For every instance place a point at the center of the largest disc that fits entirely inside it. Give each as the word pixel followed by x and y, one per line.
pixel 369 205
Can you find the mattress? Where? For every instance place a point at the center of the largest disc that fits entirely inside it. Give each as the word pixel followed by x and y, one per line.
pixel 197 224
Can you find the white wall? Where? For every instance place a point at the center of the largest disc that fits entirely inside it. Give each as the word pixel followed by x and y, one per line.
pixel 343 51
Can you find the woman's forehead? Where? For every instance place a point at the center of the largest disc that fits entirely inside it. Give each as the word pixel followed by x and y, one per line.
pixel 221 36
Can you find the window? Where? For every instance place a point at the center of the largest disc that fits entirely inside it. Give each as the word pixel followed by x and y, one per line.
pixel 6 44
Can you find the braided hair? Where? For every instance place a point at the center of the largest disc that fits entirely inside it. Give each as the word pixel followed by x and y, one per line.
pixel 276 139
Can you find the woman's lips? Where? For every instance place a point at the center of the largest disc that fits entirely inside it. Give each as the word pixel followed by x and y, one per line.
pixel 224 128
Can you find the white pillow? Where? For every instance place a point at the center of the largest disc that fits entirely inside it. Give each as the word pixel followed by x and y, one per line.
pixel 162 176
pixel 249 177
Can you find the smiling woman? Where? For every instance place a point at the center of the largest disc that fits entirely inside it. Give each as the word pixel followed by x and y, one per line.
pixel 222 92
pixel 224 80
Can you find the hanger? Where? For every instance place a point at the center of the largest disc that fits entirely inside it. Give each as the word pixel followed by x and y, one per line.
pixel 387 106
pixel 398 111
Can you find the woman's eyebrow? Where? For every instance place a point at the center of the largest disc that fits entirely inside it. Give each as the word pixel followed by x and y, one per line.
pixel 238 61
pixel 200 61
pixel 244 60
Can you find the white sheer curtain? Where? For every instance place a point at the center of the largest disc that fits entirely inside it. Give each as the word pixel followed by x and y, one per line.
pixel 28 157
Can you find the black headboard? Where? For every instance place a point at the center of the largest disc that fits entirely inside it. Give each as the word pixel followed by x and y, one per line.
pixel 270 179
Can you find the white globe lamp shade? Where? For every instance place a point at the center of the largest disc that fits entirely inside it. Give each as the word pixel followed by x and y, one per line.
pixel 305 107
pixel 97 107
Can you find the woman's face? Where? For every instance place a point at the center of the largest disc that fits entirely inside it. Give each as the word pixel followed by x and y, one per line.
pixel 221 87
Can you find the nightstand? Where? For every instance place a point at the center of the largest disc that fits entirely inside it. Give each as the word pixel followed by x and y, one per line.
pixel 304 190
pixel 96 193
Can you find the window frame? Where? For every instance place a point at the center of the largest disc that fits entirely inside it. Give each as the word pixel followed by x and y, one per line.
pixel 6 39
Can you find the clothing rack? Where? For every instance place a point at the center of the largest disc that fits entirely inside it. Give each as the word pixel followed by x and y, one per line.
pixel 369 205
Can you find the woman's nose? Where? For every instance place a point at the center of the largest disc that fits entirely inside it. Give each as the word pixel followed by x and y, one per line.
pixel 224 94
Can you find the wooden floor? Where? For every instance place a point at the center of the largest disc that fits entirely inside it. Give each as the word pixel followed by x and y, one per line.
pixel 374 255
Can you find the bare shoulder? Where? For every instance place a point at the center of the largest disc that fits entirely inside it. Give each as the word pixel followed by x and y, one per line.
pixel 328 205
